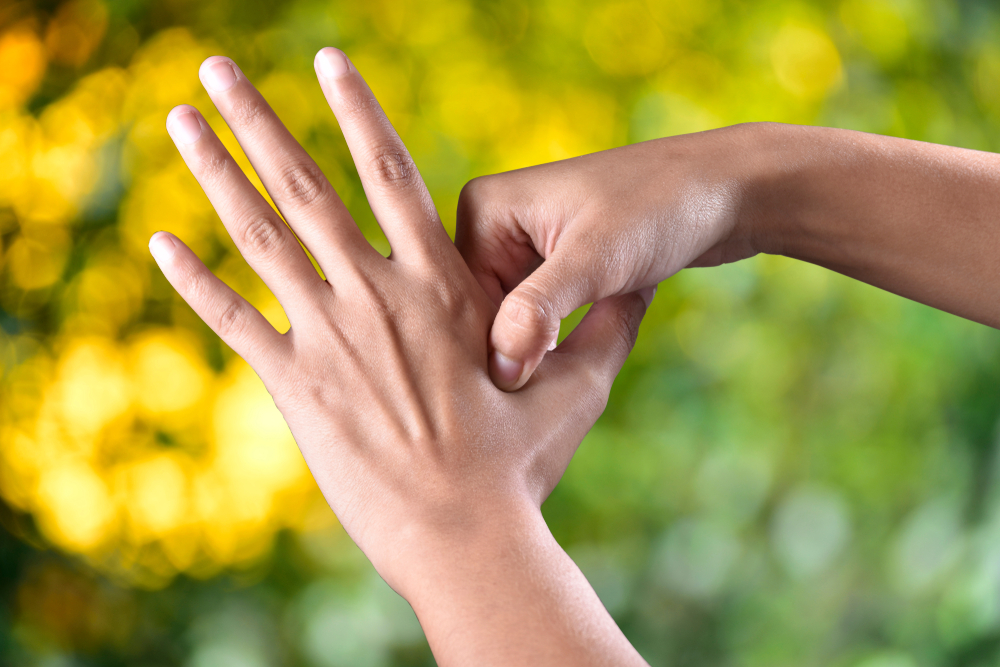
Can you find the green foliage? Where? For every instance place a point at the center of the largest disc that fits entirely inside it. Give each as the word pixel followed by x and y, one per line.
pixel 794 468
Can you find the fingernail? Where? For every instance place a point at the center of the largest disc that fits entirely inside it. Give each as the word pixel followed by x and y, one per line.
pixel 506 371
pixel 184 128
pixel 219 76
pixel 332 63
pixel 647 294
pixel 162 247
pixel 554 342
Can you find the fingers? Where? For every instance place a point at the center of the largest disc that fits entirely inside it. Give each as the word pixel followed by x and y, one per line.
pixel 583 368
pixel 298 187
pixel 395 190
pixel 489 233
pixel 602 341
pixel 528 321
pixel 261 236
pixel 228 314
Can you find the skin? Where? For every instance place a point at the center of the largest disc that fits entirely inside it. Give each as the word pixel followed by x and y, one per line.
pixel 435 473
pixel 919 221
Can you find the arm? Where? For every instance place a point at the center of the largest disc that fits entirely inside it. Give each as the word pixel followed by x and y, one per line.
pixel 435 473
pixel 503 592
pixel 914 218
pixel 917 219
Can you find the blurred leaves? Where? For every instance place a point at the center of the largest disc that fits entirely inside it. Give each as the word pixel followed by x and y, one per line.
pixel 794 468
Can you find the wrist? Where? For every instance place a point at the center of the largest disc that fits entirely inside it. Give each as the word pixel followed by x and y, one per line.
pixel 797 177
pixel 454 538
pixel 771 182
pixel 497 589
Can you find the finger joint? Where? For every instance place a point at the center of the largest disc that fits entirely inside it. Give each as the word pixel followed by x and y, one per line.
pixel 231 321
pixel 302 184
pixel 393 167
pixel 261 236
pixel 248 112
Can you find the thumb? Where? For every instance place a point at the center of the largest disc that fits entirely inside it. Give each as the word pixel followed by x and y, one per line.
pixel 528 321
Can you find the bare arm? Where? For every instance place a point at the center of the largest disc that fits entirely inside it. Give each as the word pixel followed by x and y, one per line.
pixel 918 219
pixel 435 473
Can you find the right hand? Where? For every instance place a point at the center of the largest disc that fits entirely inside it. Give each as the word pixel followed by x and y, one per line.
pixel 546 240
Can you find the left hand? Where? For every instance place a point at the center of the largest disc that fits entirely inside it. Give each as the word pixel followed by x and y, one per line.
pixel 383 376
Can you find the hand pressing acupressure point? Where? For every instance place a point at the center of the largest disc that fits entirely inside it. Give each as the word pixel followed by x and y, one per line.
pixel 382 376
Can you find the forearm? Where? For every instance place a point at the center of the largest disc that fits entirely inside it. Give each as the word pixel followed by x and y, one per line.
pixel 503 592
pixel 917 219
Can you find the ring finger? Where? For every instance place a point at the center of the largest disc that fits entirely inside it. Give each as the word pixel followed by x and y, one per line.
pixel 263 239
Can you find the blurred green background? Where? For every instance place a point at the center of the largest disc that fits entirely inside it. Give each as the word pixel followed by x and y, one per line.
pixel 794 469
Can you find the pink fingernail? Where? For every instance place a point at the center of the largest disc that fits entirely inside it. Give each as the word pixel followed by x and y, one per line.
pixel 554 342
pixel 162 247
pixel 506 371
pixel 647 294
pixel 219 76
pixel 332 63
pixel 184 128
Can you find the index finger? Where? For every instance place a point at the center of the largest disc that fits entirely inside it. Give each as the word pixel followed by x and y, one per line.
pixel 396 192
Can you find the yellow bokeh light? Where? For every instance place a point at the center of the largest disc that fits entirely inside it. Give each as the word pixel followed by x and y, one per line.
pixel 91 386
pixel 18 135
pixel 168 199
pixel 36 260
pixel 252 440
pixel 109 291
pixel 75 31
pixel 77 507
pixel 806 62
pixel 168 372
pixel 880 27
pixel 624 40
pixel 682 16
pixel 22 64
pixel 156 497
pixel 476 103
pixel 295 100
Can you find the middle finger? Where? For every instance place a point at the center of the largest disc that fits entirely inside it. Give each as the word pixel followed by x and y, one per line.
pixel 295 182
pixel 259 233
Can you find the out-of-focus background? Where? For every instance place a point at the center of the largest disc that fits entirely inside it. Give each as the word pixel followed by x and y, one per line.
pixel 794 469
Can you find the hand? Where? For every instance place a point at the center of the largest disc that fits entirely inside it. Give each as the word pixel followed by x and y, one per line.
pixel 913 218
pixel 435 474
pixel 606 224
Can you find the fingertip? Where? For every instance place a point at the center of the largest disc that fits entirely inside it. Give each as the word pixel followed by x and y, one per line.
pixel 212 60
pixel 331 63
pixel 554 343
pixel 162 246
pixel 218 73
pixel 184 124
pixel 179 109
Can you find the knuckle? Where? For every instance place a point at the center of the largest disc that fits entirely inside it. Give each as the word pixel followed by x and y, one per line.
pixel 191 286
pixel 302 184
pixel 471 194
pixel 596 392
pixel 628 326
pixel 261 235
pixel 392 166
pixel 358 105
pixel 248 112
pixel 230 321
pixel 214 167
pixel 473 199
pixel 453 297
pixel 531 311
